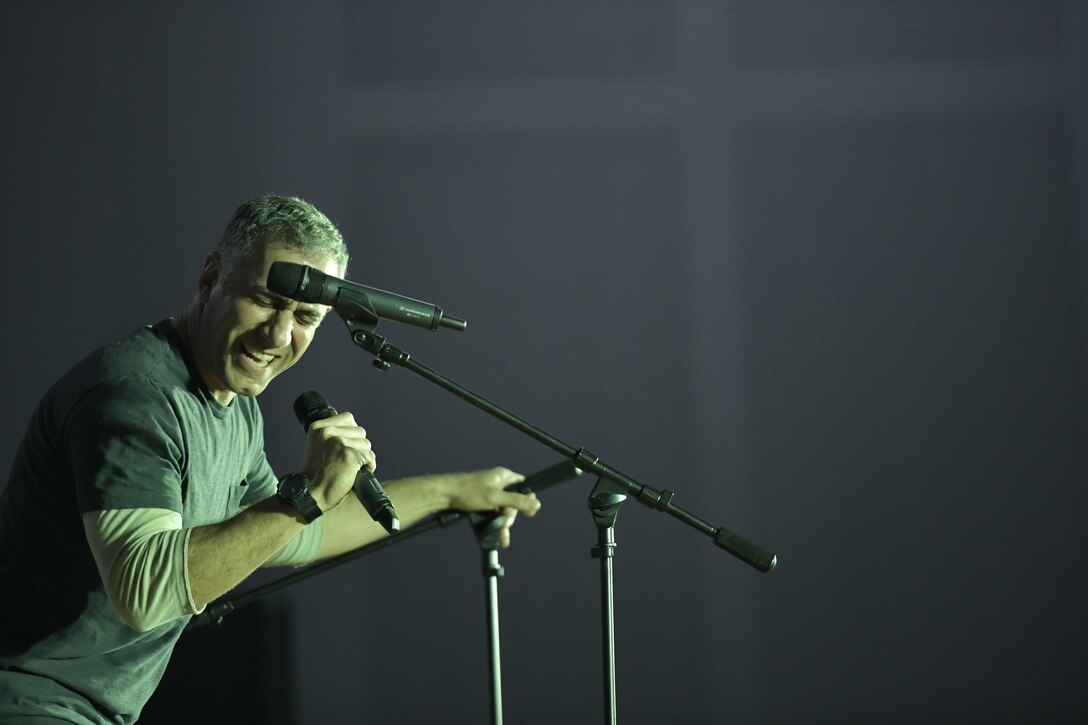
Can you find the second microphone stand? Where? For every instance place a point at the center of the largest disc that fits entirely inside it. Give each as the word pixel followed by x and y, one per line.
pixel 604 504
pixel 612 489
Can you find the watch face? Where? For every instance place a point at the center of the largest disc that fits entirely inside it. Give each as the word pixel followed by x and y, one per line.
pixel 294 490
pixel 291 486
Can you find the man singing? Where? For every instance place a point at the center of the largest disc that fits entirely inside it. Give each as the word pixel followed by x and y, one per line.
pixel 141 491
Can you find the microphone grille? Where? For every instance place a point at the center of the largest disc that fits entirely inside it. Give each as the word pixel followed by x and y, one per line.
pixel 296 281
pixel 311 406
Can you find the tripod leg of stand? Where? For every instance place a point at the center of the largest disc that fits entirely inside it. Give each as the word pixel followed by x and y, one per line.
pixel 604 503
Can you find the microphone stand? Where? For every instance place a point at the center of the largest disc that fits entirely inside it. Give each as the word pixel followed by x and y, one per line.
pixel 218 610
pixel 386 355
pixel 613 486
pixel 486 527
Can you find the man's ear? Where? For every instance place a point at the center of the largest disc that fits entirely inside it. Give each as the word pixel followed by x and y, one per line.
pixel 209 275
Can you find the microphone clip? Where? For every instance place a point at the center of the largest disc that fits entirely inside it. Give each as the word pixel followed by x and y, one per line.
pixel 385 354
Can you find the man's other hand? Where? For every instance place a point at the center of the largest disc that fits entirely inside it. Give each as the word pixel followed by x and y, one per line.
pixel 486 491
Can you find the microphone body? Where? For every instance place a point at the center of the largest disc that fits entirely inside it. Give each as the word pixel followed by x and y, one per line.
pixel 312 406
pixel 355 301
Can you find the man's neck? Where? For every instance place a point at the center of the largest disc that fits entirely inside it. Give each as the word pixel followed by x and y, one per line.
pixel 185 324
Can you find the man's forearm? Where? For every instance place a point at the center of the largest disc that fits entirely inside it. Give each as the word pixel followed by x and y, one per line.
pixel 222 555
pixel 349 526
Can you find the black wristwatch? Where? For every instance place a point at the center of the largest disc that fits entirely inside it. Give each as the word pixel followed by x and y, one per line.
pixel 294 490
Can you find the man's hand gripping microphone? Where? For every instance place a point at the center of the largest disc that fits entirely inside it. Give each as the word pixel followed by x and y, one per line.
pixel 312 406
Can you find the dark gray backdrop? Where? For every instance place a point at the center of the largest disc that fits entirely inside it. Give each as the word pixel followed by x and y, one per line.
pixel 816 266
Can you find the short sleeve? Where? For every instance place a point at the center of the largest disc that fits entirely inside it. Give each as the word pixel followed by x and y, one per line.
pixel 125 444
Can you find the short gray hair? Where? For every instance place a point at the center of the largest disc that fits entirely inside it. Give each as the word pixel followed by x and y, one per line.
pixel 286 220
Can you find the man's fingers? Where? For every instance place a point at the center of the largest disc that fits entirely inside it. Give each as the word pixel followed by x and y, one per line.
pixel 351 443
pixel 349 432
pixel 505 477
pixel 341 425
pixel 509 515
pixel 370 461
pixel 526 503
pixel 345 419
pixel 366 455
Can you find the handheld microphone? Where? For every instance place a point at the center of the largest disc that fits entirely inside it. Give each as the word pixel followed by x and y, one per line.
pixel 311 406
pixel 355 301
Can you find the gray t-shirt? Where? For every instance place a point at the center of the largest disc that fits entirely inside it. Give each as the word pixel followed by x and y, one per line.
pixel 131 426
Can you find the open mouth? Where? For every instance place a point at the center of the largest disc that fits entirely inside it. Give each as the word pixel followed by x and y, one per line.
pixel 259 359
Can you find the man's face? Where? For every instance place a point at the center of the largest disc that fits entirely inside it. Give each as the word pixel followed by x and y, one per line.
pixel 247 335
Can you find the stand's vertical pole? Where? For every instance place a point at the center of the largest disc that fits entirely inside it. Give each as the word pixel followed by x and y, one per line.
pixel 608 623
pixel 604 504
pixel 492 572
pixel 487 528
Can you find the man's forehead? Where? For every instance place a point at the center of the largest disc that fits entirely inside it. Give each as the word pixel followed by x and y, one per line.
pixel 252 278
pixel 256 264
pixel 260 287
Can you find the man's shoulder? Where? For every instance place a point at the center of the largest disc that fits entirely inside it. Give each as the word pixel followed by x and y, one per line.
pixel 145 360
pixel 147 352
